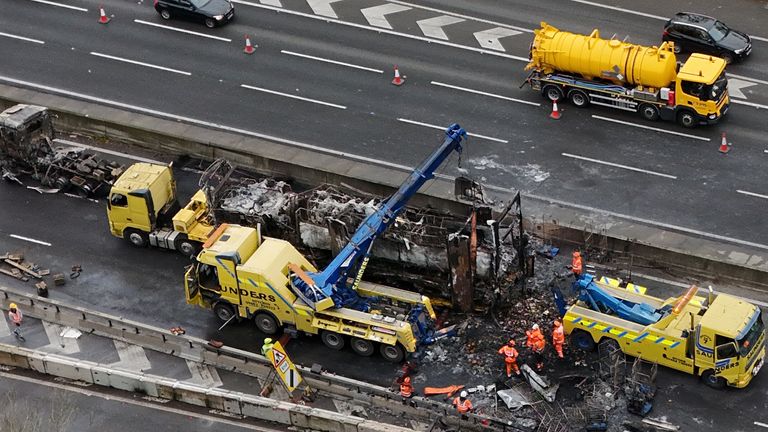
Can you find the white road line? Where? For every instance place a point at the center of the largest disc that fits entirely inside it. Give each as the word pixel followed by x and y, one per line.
pixel 651 128
pixel 752 104
pixel 61 5
pixel 293 96
pixel 12 36
pixel 433 27
pixel 414 122
pixel 110 152
pixel 135 402
pixel 132 357
pixel 440 84
pixel 331 61
pixel 467 17
pixel 323 7
pixel 204 375
pixel 149 65
pixel 138 21
pixel 765 151
pixel 277 3
pixel 57 343
pixel 490 38
pixel 757 423
pixel 626 167
pixel 746 78
pixel 757 195
pixel 383 30
pixel 29 239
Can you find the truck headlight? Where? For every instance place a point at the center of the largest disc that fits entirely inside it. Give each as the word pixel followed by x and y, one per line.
pixel 218 17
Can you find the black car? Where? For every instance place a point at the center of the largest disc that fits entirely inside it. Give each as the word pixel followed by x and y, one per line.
pixel 212 13
pixel 699 33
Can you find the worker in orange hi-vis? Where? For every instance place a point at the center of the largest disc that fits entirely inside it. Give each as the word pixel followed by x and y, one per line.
pixel 537 344
pixel 462 404
pixel 406 389
pixel 576 264
pixel 510 357
pixel 558 338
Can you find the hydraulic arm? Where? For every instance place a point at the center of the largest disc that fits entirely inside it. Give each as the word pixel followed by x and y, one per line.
pixel 601 301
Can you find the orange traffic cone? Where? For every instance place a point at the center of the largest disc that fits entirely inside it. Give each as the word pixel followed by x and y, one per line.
pixel 398 81
pixel 248 47
pixel 103 18
pixel 724 148
pixel 555 113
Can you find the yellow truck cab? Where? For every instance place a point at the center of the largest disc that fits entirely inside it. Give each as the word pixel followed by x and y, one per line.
pixel 241 274
pixel 702 86
pixel 718 337
pixel 142 208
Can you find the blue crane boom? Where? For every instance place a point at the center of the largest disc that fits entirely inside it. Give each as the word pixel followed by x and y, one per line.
pixel 601 301
pixel 332 281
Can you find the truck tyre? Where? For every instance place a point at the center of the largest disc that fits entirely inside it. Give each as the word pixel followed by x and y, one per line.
pixel 713 380
pixel 649 112
pixel 266 323
pixel 332 340
pixel 223 310
pixel 186 246
pixel 136 237
pixel 578 98
pixel 392 353
pixel 686 119
pixel 552 92
pixel 582 340
pixel 362 347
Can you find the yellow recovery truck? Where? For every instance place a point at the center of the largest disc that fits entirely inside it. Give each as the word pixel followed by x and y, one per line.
pixel 590 70
pixel 719 337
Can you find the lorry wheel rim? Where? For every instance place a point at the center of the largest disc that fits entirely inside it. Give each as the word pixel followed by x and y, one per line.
pixel 553 94
pixel 578 99
pixel 224 313
pixel 187 248
pixel 362 347
pixel 390 352
pixel 136 239
pixel 687 120
pixel 165 14
pixel 266 324
pixel 333 340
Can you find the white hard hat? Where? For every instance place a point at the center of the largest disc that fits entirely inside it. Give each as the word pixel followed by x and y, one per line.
pixel 535 326
pixel 463 394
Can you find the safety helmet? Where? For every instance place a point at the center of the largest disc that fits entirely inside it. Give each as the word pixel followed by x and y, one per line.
pixel 576 253
pixel 511 342
pixel 463 394
pixel 268 340
pixel 407 380
pixel 13 306
pixel 535 327
pixel 558 323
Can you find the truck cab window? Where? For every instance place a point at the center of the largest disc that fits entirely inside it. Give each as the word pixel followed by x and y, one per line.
pixel 119 200
pixel 726 347
pixel 692 88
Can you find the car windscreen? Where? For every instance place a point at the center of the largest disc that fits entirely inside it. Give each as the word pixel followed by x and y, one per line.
pixel 746 343
pixel 199 3
pixel 718 31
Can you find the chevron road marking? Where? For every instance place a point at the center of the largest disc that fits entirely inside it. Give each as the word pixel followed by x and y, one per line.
pixel 132 357
pixel 490 38
pixel 275 3
pixel 376 14
pixel 323 7
pixel 204 375
pixel 58 343
pixel 433 27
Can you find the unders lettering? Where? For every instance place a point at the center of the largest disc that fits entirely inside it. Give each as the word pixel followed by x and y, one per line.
pixel 255 295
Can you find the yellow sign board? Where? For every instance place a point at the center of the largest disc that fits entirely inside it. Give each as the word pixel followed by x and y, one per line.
pixel 284 367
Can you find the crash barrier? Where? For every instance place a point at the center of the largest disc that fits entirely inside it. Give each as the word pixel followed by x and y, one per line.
pixel 648 243
pixel 235 360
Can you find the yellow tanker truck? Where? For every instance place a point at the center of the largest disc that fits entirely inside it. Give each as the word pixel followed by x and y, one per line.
pixel 590 70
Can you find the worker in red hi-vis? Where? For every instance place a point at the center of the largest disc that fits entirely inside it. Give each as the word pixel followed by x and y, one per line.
pixel 406 389
pixel 558 338
pixel 510 357
pixel 536 343
pixel 462 404
pixel 576 264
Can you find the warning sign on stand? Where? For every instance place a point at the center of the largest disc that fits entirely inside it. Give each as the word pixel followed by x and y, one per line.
pixel 284 367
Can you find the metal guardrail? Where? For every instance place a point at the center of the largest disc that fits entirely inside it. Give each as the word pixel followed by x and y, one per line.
pixel 235 360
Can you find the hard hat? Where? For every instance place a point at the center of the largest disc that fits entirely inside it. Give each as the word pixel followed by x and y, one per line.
pixel 535 327
pixel 13 306
pixel 268 340
pixel 511 342
pixel 576 253
pixel 407 380
pixel 558 323
pixel 463 394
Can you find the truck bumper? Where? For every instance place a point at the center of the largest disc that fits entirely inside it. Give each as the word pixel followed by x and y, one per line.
pixel 705 120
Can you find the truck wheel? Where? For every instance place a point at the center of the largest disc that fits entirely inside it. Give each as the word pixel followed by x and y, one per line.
pixel 266 323
pixel 582 340
pixel 332 340
pixel 224 311
pixel 578 98
pixel 649 112
pixel 136 237
pixel 713 380
pixel 552 92
pixel 686 119
pixel 186 246
pixel 362 347
pixel 392 353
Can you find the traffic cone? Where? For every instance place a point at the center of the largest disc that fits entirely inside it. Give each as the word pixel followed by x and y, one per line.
pixel 724 148
pixel 555 113
pixel 248 47
pixel 103 18
pixel 398 81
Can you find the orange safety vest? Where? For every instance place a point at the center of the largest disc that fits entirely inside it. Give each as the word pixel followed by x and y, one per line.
pixel 462 407
pixel 535 340
pixel 406 390
pixel 510 354
pixel 576 265
pixel 15 317
pixel 558 336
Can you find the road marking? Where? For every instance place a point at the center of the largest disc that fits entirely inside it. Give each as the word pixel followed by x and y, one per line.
pixel 323 7
pixel 440 84
pixel 29 239
pixel 132 357
pixel 61 5
pixel 132 401
pixel 735 85
pixel 110 152
pixel 757 195
pixel 138 21
pixel 433 27
pixel 765 151
pixel 149 65
pixel 490 38
pixel 754 80
pixel 757 423
pixel 651 128
pixel 332 61
pixel 752 104
pixel 276 3
pixel 57 343
pixel 376 15
pixel 204 375
pixel 414 122
pixel 626 167
pixel 293 96
pixel 12 36
pixel 383 30
pixel 467 17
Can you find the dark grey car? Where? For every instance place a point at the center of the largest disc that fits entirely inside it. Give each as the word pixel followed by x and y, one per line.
pixel 703 34
pixel 212 13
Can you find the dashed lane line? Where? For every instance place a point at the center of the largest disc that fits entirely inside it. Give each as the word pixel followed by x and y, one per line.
pixel 651 128
pixel 61 5
pixel 31 240
pixel 288 95
pixel 223 39
pixel 26 39
pixel 757 423
pixel 615 165
pixel 138 63
pixel 493 95
pixel 325 60
pixel 418 123
pixel 752 104
pixel 756 195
